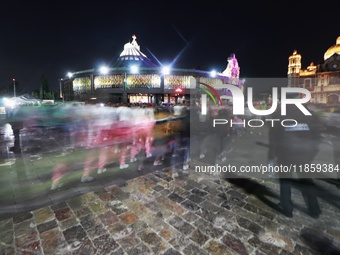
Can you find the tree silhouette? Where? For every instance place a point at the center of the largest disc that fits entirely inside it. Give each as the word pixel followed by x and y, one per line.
pixel 45 92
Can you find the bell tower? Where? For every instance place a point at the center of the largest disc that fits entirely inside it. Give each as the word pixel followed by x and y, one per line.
pixel 294 67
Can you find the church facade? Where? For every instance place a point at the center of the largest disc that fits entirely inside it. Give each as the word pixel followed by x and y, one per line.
pixel 322 80
pixel 134 78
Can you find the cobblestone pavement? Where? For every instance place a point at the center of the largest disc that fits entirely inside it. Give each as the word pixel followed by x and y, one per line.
pixel 154 213
pixel 195 213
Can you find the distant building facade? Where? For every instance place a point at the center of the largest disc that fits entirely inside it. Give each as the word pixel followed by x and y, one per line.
pixel 135 78
pixel 322 80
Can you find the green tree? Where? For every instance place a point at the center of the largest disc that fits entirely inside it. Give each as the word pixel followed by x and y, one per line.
pixel 44 88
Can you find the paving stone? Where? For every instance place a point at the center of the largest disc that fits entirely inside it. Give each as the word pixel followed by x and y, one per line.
pixel 144 190
pixel 216 248
pixel 22 217
pixel 105 196
pixel 30 247
pixel 237 201
pixel 89 197
pixel 298 249
pixel 47 226
pixel 74 234
pixel 181 225
pixel 223 196
pixel 129 241
pixel 25 228
pixel 63 213
pixel 208 229
pixel 178 182
pixel 249 225
pixel 53 242
pixel 166 234
pixel 195 198
pixel 59 206
pixel 276 239
pixel 43 215
pixel 226 205
pixel 198 237
pixel 151 177
pixel 121 195
pixel 257 210
pixel 140 249
pixel 136 206
pixel 190 205
pixel 160 174
pixel 7 250
pixel 75 203
pixel 254 241
pixel 118 251
pixel 7 239
pixel 199 192
pixel 81 212
pixel 155 221
pixel 157 188
pixel 195 184
pixel 128 218
pixel 117 207
pixel 236 194
pixel 167 204
pixel 138 226
pixel 119 230
pixel 89 221
pixel 84 246
pixel 165 192
pixel 153 206
pixel 234 244
pixel 176 198
pixel 6 225
pixel 108 218
pixel 96 231
pixel 97 206
pixel 154 242
pixel 105 244
pixel 68 223
pixel 209 185
pixel 238 231
pixel 178 240
pixel 269 249
pixel 192 249
pixel 206 214
pixel 171 251
pixel 189 217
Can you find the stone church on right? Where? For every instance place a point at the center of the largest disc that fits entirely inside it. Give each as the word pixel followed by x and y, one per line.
pixel 322 80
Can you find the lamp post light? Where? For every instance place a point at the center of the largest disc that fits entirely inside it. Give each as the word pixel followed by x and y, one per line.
pixel 14 91
pixel 61 89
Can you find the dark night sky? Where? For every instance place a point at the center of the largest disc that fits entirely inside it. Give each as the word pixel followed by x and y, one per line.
pixel 53 37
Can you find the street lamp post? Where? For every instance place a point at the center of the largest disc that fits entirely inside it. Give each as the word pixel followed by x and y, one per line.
pixel 14 92
pixel 61 89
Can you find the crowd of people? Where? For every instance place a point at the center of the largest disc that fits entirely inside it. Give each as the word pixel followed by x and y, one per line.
pixel 122 133
pixel 105 133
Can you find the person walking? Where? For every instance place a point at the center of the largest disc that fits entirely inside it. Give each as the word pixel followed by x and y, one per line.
pixel 223 136
pixel 295 144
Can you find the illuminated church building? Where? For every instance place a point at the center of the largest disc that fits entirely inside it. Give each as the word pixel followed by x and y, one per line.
pixel 134 78
pixel 322 80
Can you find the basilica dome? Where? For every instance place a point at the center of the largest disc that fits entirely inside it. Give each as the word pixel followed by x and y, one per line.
pixel 335 49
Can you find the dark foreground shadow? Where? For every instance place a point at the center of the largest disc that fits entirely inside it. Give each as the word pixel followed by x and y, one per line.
pixel 263 193
pixel 260 191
